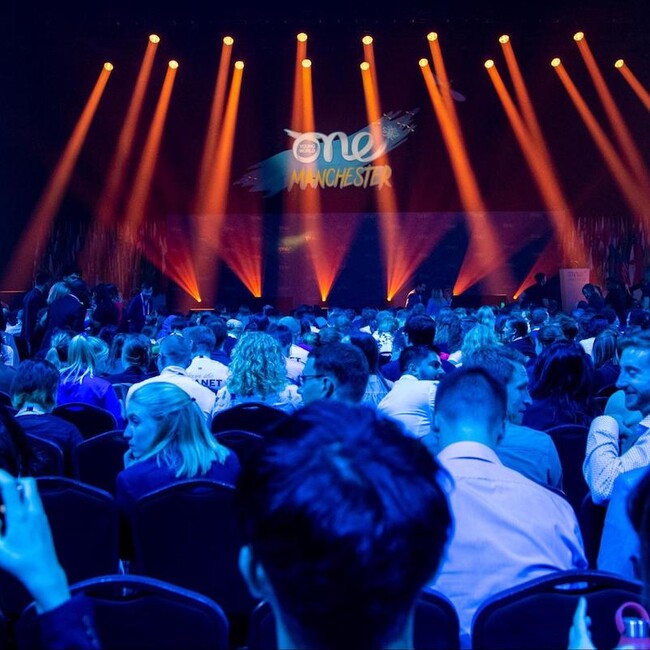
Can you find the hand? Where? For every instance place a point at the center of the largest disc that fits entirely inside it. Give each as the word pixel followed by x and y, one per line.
pixel 579 636
pixel 26 545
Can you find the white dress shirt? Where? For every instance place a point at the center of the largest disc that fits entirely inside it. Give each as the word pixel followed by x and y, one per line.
pixel 410 401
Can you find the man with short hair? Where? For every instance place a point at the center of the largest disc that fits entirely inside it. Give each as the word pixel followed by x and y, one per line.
pixel 203 369
pixel 411 399
pixel 140 308
pixel 609 454
pixel 507 529
pixel 343 522
pixel 173 359
pixel 220 331
pixel 337 371
pixel 418 330
pixel 529 451
pixel 33 302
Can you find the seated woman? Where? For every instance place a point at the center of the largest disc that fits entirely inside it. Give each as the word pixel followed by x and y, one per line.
pixel 80 383
pixel 168 442
pixel 563 389
pixel 258 374
pixel 135 361
pixel 378 386
pixel 605 356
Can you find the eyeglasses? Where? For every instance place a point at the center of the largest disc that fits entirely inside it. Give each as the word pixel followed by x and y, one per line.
pixel 303 378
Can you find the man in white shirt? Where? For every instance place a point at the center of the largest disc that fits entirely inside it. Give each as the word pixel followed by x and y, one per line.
pixel 412 397
pixel 203 369
pixel 608 453
pixel 508 529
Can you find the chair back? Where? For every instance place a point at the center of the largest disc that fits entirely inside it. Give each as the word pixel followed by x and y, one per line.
pixel 435 625
pixel 100 458
pixel 188 534
pixel 91 420
pixel 571 443
pixel 243 443
pixel 592 521
pixel 248 416
pixel 49 455
pixel 84 523
pixel 539 613
pixel 140 612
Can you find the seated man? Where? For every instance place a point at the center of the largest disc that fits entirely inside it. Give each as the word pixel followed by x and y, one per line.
pixel 203 369
pixel 344 521
pixel 411 399
pixel 337 371
pixel 33 393
pixel 507 529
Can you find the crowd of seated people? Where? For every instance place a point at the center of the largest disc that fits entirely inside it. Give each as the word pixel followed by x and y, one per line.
pixel 479 388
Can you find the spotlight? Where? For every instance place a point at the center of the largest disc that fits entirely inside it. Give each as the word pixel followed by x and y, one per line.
pixel 432 36
pixel 367 40
pixel 556 62
pixel 489 64
pixel 365 66
pixel 302 37
pixel 423 63
pixel 306 63
pixel 154 38
pixel 239 65
pixel 228 40
pixel 619 64
pixel 504 38
pixel 173 64
pixel 108 66
pixel 578 36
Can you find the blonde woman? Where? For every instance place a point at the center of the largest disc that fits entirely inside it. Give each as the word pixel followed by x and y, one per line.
pixel 169 441
pixel 258 373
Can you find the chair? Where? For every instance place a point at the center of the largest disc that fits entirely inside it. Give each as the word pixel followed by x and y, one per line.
pixel 243 443
pixel 143 613
pixel 571 443
pixel 592 520
pixel 249 416
pixel 89 419
pixel 539 613
pixel 84 523
pixel 49 454
pixel 188 534
pixel 435 625
pixel 100 458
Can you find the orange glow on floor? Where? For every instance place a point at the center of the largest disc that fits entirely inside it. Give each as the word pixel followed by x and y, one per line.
pixel 536 154
pixel 635 84
pixel 484 259
pixel 212 135
pixel 34 240
pixel 636 164
pixel 631 191
pixel 135 212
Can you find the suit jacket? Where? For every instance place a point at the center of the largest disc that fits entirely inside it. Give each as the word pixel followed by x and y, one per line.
pixel 67 313
pixel 33 302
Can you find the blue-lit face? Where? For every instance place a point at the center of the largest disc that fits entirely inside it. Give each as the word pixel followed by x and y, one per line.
pixel 634 379
pixel 141 430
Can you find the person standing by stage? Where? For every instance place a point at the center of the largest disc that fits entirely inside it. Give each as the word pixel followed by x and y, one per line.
pixel 140 309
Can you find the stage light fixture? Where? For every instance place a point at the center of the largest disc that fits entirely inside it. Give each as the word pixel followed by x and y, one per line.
pixel 302 37
pixel 619 63
pixel 239 65
pixel 228 40
pixel 423 63
pixel 365 66
pixel 504 38
pixel 556 62
pixel 432 36
pixel 173 64
pixel 108 66
pixel 306 63
pixel 489 64
pixel 367 40
pixel 578 36
pixel 154 38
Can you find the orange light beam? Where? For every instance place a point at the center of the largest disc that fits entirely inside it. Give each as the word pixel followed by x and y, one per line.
pixel 630 189
pixel 635 84
pixel 136 206
pixel 443 77
pixel 543 174
pixel 216 114
pixel 118 165
pixel 29 250
pixel 636 165
pixel 392 245
pixel 485 252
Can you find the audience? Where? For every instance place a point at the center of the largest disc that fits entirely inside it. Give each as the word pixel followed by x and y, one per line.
pixel 203 369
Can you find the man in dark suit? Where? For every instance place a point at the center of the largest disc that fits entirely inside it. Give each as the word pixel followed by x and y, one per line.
pixel 140 308
pixel 33 302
